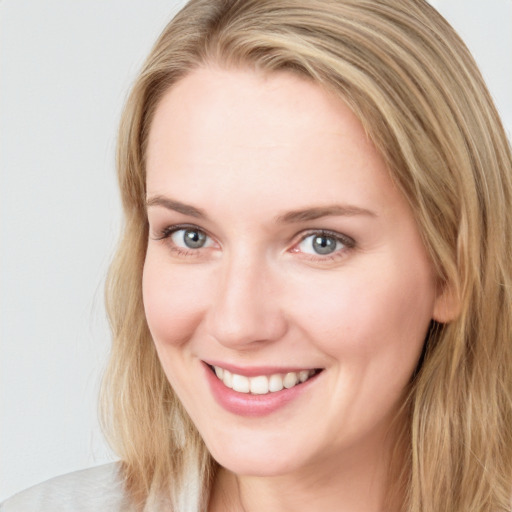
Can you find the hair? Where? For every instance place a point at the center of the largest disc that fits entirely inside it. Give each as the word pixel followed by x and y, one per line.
pixel 417 91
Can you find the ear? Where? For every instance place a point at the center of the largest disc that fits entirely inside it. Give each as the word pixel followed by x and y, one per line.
pixel 447 305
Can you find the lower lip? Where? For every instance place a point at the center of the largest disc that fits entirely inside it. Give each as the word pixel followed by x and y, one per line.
pixel 246 404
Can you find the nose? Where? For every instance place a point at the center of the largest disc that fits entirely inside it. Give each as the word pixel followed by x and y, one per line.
pixel 246 311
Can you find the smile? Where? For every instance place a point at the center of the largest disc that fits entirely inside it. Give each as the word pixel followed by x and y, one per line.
pixel 262 384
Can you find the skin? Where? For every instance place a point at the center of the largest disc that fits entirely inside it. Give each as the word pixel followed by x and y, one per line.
pixel 246 149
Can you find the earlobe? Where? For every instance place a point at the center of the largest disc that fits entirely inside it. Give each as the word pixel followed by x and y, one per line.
pixel 447 305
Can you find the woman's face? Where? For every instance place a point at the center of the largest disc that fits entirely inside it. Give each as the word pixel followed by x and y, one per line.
pixel 280 251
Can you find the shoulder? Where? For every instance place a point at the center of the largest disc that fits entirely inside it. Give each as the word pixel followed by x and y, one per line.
pixel 94 489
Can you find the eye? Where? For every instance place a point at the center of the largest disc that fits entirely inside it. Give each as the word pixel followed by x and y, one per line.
pixel 190 238
pixel 324 243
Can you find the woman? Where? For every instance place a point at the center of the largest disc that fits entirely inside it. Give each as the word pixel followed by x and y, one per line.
pixel 311 300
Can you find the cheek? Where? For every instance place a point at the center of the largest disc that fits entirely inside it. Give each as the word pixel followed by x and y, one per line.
pixel 172 301
pixel 372 315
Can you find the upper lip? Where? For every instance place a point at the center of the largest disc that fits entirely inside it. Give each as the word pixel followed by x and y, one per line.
pixel 254 371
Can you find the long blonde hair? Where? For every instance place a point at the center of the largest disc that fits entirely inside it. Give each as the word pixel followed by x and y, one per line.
pixel 417 91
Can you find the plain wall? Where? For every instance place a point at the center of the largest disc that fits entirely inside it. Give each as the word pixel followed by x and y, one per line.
pixel 65 69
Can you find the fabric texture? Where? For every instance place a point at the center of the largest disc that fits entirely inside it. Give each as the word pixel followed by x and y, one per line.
pixel 90 490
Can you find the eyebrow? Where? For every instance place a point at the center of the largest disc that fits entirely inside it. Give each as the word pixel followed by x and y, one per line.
pixel 314 213
pixel 302 215
pixel 176 206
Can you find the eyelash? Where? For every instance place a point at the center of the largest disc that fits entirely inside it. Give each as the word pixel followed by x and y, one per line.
pixel 348 242
pixel 166 233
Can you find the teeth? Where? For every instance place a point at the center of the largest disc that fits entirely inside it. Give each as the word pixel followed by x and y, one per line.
pixel 290 380
pixel 275 383
pixel 227 378
pixel 261 385
pixel 240 383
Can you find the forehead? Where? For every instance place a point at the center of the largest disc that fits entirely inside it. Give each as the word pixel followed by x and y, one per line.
pixel 274 134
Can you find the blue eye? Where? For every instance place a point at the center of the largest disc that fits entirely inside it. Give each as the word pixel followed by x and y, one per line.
pixel 322 244
pixel 190 238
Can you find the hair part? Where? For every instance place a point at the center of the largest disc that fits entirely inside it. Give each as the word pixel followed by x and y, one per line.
pixel 421 99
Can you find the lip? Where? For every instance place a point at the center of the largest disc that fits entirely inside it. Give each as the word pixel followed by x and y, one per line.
pixel 246 404
pixel 255 371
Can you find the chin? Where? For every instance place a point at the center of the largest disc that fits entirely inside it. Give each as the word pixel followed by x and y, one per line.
pixel 256 468
pixel 267 461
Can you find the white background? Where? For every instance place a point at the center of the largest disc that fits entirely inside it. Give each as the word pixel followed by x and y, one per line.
pixel 65 69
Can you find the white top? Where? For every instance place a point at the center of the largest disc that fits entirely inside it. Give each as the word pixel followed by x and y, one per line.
pixel 90 490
